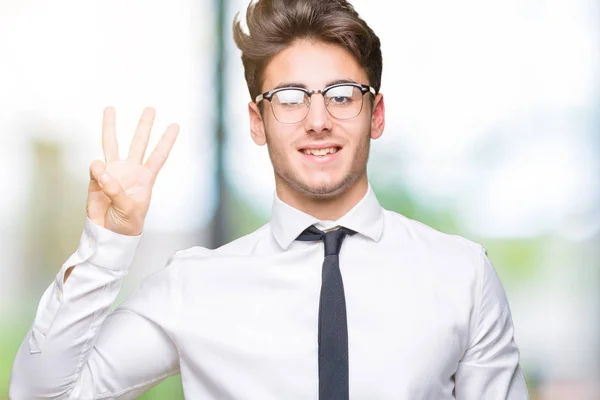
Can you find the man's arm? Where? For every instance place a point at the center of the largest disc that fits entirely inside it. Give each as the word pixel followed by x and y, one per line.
pixel 70 352
pixel 73 351
pixel 490 367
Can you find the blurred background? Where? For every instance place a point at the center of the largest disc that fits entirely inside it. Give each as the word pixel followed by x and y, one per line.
pixel 493 133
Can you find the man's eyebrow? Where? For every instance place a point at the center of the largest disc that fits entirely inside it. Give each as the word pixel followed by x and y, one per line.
pixel 338 81
pixel 303 86
pixel 290 84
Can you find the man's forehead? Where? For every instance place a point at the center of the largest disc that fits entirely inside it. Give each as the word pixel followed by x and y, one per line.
pixel 312 65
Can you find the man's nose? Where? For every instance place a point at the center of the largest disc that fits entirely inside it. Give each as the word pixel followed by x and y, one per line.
pixel 318 118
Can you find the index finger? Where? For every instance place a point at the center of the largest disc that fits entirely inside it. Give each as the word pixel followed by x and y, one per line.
pixel 163 148
pixel 109 135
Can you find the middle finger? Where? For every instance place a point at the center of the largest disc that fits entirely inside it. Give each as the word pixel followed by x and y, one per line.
pixel 139 143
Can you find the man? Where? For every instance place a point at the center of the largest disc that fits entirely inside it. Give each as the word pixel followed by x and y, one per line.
pixel 334 298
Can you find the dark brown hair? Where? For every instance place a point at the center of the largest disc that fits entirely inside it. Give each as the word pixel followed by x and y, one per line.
pixel 273 25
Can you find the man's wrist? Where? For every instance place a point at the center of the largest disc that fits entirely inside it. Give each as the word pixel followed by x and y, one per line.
pixel 105 248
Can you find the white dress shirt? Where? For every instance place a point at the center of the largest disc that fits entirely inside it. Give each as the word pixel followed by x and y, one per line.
pixel 427 317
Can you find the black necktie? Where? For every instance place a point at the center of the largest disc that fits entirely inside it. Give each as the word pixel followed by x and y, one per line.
pixel 333 328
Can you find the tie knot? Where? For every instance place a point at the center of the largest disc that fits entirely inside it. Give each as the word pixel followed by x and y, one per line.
pixel 332 239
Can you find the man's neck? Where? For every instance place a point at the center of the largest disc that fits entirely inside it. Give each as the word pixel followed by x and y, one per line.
pixel 325 209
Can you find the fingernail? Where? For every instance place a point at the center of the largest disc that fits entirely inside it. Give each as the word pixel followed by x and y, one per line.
pixel 103 178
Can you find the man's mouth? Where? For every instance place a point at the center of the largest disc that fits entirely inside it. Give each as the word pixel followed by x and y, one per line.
pixel 320 152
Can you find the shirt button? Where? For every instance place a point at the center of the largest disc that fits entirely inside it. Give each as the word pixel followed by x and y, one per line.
pixel 58 294
pixel 91 242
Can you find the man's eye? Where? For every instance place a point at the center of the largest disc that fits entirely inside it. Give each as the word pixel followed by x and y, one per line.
pixel 340 99
pixel 289 97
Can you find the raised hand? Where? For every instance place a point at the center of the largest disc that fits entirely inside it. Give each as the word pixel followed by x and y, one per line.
pixel 119 191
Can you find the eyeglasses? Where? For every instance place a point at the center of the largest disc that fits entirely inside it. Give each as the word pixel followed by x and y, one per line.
pixel 290 105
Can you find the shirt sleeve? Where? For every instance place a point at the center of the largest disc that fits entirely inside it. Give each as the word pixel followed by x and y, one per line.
pixel 73 351
pixel 490 369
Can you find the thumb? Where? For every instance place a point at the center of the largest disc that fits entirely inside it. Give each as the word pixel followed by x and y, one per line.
pixel 110 186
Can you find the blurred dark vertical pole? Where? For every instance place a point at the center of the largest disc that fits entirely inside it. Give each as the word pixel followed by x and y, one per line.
pixel 220 225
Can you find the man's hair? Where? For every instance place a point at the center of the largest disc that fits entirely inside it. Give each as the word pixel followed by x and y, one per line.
pixel 273 25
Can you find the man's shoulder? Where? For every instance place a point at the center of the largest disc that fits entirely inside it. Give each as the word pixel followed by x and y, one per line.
pixel 433 242
pixel 241 246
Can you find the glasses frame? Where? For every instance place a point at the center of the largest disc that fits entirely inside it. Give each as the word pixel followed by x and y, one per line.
pixel 363 89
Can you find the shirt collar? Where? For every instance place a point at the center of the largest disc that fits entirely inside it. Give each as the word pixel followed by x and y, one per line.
pixel 366 218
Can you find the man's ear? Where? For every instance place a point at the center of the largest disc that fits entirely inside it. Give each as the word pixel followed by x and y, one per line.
pixel 378 117
pixel 257 127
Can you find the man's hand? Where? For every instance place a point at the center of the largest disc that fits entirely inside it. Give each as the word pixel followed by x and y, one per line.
pixel 120 190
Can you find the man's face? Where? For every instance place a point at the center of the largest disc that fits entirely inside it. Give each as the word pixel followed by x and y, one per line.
pixel 297 150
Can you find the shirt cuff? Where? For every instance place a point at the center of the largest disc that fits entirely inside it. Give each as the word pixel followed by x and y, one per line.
pixel 104 248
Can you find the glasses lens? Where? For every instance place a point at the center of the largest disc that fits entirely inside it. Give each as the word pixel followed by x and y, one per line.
pixel 344 102
pixel 290 105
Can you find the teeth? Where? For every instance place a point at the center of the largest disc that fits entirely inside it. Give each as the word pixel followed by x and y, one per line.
pixel 320 152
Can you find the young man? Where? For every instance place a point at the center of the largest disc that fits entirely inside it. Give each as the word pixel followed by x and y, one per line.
pixel 334 298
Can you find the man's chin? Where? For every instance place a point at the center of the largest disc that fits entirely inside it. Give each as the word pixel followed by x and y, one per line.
pixel 322 190
pixel 319 187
